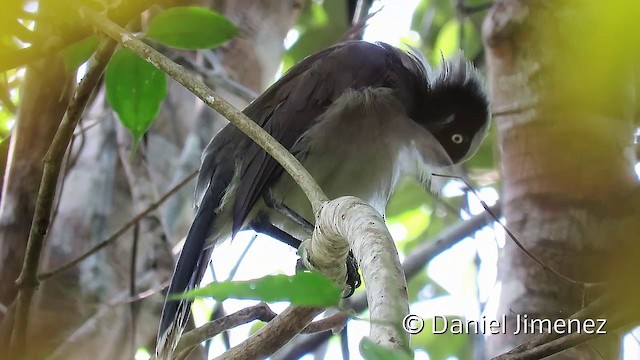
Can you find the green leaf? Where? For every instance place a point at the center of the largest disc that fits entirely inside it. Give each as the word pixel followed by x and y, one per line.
pixel 78 53
pixel 447 41
pixel 303 289
pixel 191 28
pixel 373 351
pixel 135 90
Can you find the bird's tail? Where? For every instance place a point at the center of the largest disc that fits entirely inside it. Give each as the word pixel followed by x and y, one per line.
pixel 187 274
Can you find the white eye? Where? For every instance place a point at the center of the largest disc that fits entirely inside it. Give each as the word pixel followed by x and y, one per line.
pixel 457 138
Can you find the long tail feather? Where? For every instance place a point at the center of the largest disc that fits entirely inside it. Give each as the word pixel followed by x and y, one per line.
pixel 188 272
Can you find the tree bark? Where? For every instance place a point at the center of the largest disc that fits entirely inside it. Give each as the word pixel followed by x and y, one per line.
pixel 565 133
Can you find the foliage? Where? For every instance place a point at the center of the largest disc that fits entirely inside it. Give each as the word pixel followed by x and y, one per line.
pixel 303 289
pixel 135 90
pixel 191 28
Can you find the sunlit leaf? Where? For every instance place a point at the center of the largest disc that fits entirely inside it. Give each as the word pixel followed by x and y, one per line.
pixel 191 28
pixel 135 90
pixel 373 351
pixel 447 42
pixel 303 289
pixel 78 53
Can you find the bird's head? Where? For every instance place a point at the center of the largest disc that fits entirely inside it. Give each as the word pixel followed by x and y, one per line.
pixel 460 107
pixel 455 109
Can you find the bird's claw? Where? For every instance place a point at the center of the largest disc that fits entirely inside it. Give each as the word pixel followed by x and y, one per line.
pixel 353 277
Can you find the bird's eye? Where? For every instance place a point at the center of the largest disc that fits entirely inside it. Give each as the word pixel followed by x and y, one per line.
pixel 457 138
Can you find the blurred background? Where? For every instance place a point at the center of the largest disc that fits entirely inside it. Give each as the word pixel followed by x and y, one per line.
pixel 558 167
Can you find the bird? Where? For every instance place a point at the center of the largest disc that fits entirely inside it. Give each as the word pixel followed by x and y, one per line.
pixel 360 116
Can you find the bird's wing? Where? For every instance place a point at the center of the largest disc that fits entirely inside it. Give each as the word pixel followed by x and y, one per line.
pixel 294 104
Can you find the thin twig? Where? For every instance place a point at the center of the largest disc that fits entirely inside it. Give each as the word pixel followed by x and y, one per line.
pixel 546 267
pixel 290 164
pixel 207 331
pixel 141 295
pixel 28 280
pixel 593 310
pixel 618 322
pixel 334 322
pixel 119 232
pixel 260 312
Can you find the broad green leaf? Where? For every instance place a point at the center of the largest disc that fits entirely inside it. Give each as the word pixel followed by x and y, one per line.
pixel 135 90
pixel 373 351
pixel 191 28
pixel 78 53
pixel 303 289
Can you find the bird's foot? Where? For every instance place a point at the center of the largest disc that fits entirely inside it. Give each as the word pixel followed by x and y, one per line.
pixel 353 277
pixel 353 280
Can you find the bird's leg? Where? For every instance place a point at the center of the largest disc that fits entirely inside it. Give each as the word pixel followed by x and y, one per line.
pixel 285 211
pixel 262 225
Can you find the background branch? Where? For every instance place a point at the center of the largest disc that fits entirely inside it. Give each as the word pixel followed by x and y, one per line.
pixel 28 280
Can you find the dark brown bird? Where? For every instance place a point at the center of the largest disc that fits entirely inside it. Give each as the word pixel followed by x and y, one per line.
pixel 359 116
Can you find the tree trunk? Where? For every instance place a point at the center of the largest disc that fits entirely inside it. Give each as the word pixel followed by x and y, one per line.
pixel 565 132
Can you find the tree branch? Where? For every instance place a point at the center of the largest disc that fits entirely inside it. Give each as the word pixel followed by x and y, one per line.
pixel 215 327
pixel 570 340
pixel 412 265
pixel 349 218
pixel 299 174
pixel 28 281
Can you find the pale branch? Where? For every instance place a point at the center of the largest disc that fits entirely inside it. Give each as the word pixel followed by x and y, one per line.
pixel 412 265
pixel 28 280
pixel 293 319
pixel 299 174
pixel 116 235
pixel 349 218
